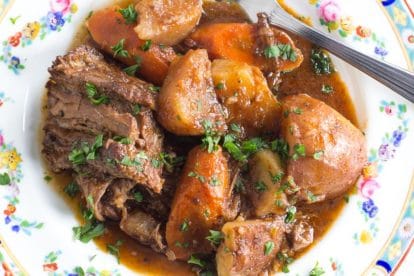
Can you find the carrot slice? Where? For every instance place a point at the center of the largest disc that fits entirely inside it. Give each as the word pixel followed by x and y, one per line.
pixel 107 28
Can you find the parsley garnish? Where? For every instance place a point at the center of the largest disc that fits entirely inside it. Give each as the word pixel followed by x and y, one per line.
pixel 131 70
pixel 277 177
pixel 214 181
pixel 215 237
pixel 154 88
pixel 138 197
pixel 318 154
pixel 220 86
pixel 299 151
pixel 283 51
pixel 47 178
pixel 268 247
pixel 170 161
pixel 317 270
pixel 290 214
pixel 93 96
pixel 211 139
pixel 285 260
pixel 146 46
pixel 260 186
pixel 123 140
pixel 200 178
pixel 136 109
pixel 80 155
pixel 184 226
pixel 89 231
pixel 119 50
pixel 326 89
pixel 113 249
pixel 129 14
pixel 236 128
pixel 241 152
pixel 5 179
pixel 281 147
pixel 196 261
pixel 71 189
pixel 321 62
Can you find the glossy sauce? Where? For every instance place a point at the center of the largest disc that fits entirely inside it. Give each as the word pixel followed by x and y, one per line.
pixel 303 80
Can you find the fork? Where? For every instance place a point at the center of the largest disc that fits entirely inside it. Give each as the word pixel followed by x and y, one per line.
pixel 397 79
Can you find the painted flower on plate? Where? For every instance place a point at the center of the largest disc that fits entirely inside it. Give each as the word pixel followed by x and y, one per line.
pixel 346 24
pixel 31 30
pixel 55 20
pixel 329 10
pixel 367 187
pixel 406 230
pixel 389 110
pixel 363 32
pixel 397 137
pixel 10 209
pixel 370 171
pixel 15 39
pixel 62 6
pixel 365 237
pixel 386 152
pixel 370 208
pixel 1 140
pixel 394 250
pixel 15 62
pixel 10 159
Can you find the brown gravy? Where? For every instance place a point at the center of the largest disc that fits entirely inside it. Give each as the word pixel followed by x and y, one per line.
pixel 303 80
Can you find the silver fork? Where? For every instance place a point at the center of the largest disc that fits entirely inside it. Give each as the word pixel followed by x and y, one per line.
pixel 397 79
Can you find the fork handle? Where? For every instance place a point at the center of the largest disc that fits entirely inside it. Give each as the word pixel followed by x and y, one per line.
pixel 399 80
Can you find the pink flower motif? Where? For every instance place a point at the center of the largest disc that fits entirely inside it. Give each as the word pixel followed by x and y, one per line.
pixel 329 10
pixel 62 6
pixel 388 110
pixel 1 140
pixel 368 187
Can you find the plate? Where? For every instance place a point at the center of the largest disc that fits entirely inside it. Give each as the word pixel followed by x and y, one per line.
pixel 374 233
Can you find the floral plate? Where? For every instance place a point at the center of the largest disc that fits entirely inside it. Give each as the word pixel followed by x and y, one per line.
pixel 374 233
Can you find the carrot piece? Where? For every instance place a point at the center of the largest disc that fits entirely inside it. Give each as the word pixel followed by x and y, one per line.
pixel 236 41
pixel 107 27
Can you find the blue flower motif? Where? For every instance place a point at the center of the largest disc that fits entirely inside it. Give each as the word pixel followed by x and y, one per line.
pixel 381 51
pixel 7 220
pixel 397 137
pixel 386 152
pixel 54 20
pixel 16 228
pixel 15 62
pixel 369 208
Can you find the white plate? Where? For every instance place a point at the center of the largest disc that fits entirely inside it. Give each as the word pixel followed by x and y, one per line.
pixel 374 233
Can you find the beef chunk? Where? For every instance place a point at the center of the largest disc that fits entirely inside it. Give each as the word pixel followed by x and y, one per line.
pixel 86 65
pixel 143 228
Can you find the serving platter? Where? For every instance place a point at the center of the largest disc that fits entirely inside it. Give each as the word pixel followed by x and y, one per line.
pixel 372 236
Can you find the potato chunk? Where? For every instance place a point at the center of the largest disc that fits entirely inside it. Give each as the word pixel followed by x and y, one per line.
pixel 329 151
pixel 167 21
pixel 200 203
pixel 249 246
pixel 187 99
pixel 243 90
pixel 266 174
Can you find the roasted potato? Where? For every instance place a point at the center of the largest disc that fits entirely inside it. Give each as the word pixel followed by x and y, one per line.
pixel 236 41
pixel 327 151
pixel 249 247
pixel 266 174
pixel 108 28
pixel 200 203
pixel 167 21
pixel 244 92
pixel 187 99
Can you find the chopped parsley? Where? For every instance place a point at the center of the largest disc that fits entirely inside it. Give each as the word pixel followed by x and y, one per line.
pixel 298 151
pixel 297 110
pixel 236 128
pixel 47 178
pixel 131 70
pixel 283 51
pixel 123 140
pixel 317 270
pixel 281 147
pixel 155 163
pixel 268 247
pixel 318 154
pixel 182 245
pixel 119 50
pixel 242 151
pixel 185 226
pixel 146 46
pixel 326 89
pixel 71 189
pixel 93 95
pixel 79 156
pixel 220 86
pixel 285 260
pixel 214 181
pixel 260 186
pixel 136 109
pixel 154 88
pixel 5 179
pixel 170 161
pixel 311 197
pixel 89 231
pixel 239 186
pixel 196 261
pixel 129 14
pixel 215 237
pixel 136 162
pixel 277 177
pixel 138 197
pixel 321 62
pixel 346 198
pixel 211 139
pixel 113 249
pixel 200 178
pixel 290 214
